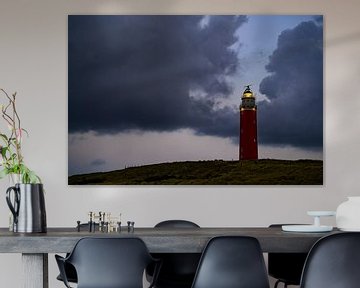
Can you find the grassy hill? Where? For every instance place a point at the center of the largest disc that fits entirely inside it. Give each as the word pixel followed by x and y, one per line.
pixel 216 172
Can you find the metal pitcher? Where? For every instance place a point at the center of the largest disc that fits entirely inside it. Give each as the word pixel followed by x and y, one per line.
pixel 28 207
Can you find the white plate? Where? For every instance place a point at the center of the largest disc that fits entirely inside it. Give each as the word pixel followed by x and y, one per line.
pixel 306 228
pixel 350 229
pixel 321 213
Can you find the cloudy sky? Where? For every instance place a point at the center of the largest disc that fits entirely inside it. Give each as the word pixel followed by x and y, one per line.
pixel 152 89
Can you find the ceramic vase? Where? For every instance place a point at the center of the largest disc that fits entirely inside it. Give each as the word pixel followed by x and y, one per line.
pixel 348 214
pixel 27 204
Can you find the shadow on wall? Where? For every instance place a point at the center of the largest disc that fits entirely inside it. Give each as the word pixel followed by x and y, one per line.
pixel 345 39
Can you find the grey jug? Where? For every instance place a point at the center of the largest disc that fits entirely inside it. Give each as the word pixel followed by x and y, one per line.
pixel 28 208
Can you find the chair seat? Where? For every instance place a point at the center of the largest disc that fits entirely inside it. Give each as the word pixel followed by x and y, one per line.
pixel 177 270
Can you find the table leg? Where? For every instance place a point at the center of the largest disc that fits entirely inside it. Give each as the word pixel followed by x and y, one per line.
pixel 35 270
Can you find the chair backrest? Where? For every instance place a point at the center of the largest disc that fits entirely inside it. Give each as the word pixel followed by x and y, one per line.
pixel 333 262
pixel 110 262
pixel 178 269
pixel 176 224
pixel 232 262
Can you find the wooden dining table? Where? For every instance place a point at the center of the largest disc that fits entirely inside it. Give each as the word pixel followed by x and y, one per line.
pixel 35 247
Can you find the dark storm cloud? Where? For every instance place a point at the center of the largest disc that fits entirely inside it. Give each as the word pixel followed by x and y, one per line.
pixel 319 19
pixel 136 72
pixel 295 88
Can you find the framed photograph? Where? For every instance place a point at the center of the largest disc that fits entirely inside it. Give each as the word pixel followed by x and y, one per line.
pixel 195 99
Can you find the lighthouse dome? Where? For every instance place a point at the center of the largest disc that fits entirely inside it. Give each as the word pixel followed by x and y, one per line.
pixel 248 93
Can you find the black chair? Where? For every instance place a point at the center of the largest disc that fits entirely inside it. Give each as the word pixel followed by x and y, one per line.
pixel 69 269
pixel 178 269
pixel 232 262
pixel 108 262
pixel 333 262
pixel 176 224
pixel 286 267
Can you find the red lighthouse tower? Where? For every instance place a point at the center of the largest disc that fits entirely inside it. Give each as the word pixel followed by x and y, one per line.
pixel 248 149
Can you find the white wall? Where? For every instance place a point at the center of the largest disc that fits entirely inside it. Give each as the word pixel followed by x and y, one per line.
pixel 33 62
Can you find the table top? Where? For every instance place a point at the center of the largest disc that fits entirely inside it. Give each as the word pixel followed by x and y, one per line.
pixel 158 240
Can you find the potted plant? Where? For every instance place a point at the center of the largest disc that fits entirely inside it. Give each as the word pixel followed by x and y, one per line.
pixel 11 158
pixel 26 197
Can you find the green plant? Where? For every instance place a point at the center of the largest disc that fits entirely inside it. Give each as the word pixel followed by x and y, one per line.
pixel 11 159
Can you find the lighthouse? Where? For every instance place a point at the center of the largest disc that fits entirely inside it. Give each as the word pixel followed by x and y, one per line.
pixel 248 149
